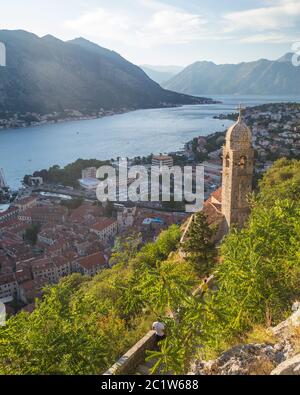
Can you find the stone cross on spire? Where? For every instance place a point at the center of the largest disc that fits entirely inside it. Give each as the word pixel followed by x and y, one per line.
pixel 240 110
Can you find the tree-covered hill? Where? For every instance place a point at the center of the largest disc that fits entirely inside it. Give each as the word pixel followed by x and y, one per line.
pixel 46 75
pixel 69 175
pixel 83 325
pixel 257 277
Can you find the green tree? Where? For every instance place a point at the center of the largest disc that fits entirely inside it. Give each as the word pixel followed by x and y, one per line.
pixel 125 249
pixel 31 234
pixel 199 244
pixel 108 208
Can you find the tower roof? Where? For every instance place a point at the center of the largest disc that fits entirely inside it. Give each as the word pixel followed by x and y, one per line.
pixel 239 132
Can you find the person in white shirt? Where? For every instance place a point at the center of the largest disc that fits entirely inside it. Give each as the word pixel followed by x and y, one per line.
pixel 159 329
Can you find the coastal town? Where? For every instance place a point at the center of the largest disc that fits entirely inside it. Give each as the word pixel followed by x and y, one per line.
pixel 276 134
pixel 42 239
pixel 10 120
pixel 15 120
pixel 275 128
pixel 50 230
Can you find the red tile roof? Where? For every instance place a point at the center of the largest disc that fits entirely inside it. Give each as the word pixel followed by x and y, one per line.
pixel 103 224
pixel 9 223
pixel 33 285
pixel 23 275
pixel 28 285
pixel 217 195
pixel 11 210
pixel 162 157
pixel 7 279
pixel 83 212
pixel 25 200
pixel 42 264
pixel 60 261
pixel 214 216
pixel 93 261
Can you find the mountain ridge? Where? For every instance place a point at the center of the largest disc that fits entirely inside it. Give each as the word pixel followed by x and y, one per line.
pixel 261 77
pixel 46 74
pixel 161 74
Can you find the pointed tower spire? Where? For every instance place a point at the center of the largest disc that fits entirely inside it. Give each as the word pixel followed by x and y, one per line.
pixel 240 109
pixel 2 179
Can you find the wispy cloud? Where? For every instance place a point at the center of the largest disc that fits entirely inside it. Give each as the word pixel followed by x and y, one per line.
pixel 271 38
pixel 284 14
pixel 153 22
pixel 175 26
pixel 162 25
pixel 101 23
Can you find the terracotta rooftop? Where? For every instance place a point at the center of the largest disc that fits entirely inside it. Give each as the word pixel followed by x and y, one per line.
pixel 26 200
pixel 92 261
pixel 41 264
pixel 11 210
pixel 33 285
pixel 23 275
pixel 103 224
pixel 44 210
pixel 10 223
pixel 28 285
pixel 7 279
pixel 84 211
pixel 59 245
pixel 217 195
pixel 60 261
pixel 213 213
pixel 162 157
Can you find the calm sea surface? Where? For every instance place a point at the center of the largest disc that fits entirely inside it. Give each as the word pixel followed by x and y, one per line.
pixel 139 133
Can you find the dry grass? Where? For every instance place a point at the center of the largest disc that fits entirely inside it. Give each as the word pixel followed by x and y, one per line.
pixel 208 354
pixel 260 335
pixel 295 340
pixel 211 353
pixel 262 368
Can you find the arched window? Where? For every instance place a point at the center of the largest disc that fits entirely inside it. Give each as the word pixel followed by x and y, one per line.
pixel 243 162
pixel 227 160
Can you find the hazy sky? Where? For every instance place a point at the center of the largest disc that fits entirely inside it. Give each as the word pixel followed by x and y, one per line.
pixel 166 32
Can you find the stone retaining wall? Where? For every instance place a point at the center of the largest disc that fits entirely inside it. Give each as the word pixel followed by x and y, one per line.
pixel 128 363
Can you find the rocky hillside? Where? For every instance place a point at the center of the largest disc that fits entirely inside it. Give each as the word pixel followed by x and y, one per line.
pixel 46 74
pixel 278 355
pixel 262 77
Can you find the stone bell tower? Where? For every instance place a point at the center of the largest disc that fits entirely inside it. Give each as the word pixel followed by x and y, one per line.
pixel 238 169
